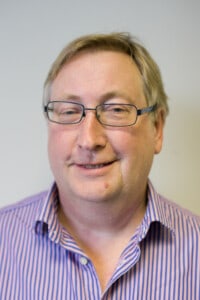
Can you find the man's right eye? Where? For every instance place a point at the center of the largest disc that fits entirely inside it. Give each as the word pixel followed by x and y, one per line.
pixel 68 112
pixel 66 109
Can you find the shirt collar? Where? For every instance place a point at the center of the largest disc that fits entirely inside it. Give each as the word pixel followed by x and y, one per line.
pixel 156 211
pixel 46 219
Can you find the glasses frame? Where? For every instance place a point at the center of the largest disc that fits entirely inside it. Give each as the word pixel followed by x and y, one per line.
pixel 139 112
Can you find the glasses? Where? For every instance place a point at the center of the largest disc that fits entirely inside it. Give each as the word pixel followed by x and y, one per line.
pixel 113 114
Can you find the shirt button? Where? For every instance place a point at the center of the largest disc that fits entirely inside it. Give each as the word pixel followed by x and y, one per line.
pixel 123 261
pixel 83 260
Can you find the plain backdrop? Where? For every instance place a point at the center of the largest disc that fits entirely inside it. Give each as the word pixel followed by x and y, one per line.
pixel 32 33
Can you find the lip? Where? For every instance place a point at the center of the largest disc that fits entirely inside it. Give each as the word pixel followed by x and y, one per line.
pixel 94 168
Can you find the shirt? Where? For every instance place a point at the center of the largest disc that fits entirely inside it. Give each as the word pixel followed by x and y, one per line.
pixel 40 260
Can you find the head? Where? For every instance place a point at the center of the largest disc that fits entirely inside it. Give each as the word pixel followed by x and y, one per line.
pixel 120 42
pixel 90 161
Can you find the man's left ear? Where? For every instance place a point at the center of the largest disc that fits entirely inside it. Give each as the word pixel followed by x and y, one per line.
pixel 159 125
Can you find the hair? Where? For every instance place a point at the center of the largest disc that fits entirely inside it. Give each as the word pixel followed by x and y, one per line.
pixel 120 42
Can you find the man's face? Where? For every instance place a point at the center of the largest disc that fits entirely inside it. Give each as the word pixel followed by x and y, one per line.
pixel 93 162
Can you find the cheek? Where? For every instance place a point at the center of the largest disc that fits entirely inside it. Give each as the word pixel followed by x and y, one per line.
pixel 124 142
pixel 53 152
pixel 57 146
pixel 136 148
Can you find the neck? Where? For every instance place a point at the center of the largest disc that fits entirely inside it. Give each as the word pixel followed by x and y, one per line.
pixel 97 218
pixel 99 226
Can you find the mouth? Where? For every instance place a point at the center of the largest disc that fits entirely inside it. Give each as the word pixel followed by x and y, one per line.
pixel 97 166
pixel 94 166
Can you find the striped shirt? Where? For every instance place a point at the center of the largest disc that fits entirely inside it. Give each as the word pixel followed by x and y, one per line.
pixel 40 260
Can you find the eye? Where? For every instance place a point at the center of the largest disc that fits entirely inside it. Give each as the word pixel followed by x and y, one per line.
pixel 117 108
pixel 67 109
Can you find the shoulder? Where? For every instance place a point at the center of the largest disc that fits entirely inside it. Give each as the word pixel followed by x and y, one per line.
pixel 23 211
pixel 182 221
pixel 168 212
pixel 24 203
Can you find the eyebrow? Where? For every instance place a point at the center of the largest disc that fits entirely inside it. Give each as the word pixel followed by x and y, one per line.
pixel 115 94
pixel 68 97
pixel 103 98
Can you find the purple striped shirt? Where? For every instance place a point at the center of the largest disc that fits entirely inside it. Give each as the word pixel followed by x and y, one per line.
pixel 40 260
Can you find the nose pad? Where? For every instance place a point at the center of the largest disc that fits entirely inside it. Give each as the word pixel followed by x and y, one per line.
pixel 90 109
pixel 83 114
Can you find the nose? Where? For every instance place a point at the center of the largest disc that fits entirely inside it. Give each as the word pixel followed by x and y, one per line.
pixel 91 135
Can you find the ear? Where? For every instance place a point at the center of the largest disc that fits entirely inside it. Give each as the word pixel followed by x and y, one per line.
pixel 159 126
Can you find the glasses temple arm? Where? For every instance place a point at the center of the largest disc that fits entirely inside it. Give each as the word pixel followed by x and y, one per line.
pixel 146 109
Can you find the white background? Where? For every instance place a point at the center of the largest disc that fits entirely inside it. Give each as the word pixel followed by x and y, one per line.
pixel 32 33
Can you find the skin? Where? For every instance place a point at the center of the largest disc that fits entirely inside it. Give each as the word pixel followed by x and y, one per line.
pixel 102 172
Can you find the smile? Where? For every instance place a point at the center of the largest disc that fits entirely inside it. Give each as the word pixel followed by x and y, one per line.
pixel 94 166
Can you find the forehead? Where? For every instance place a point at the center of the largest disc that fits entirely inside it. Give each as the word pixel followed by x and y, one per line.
pixel 96 70
pixel 99 58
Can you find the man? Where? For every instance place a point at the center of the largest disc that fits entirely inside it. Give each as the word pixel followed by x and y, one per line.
pixel 101 231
